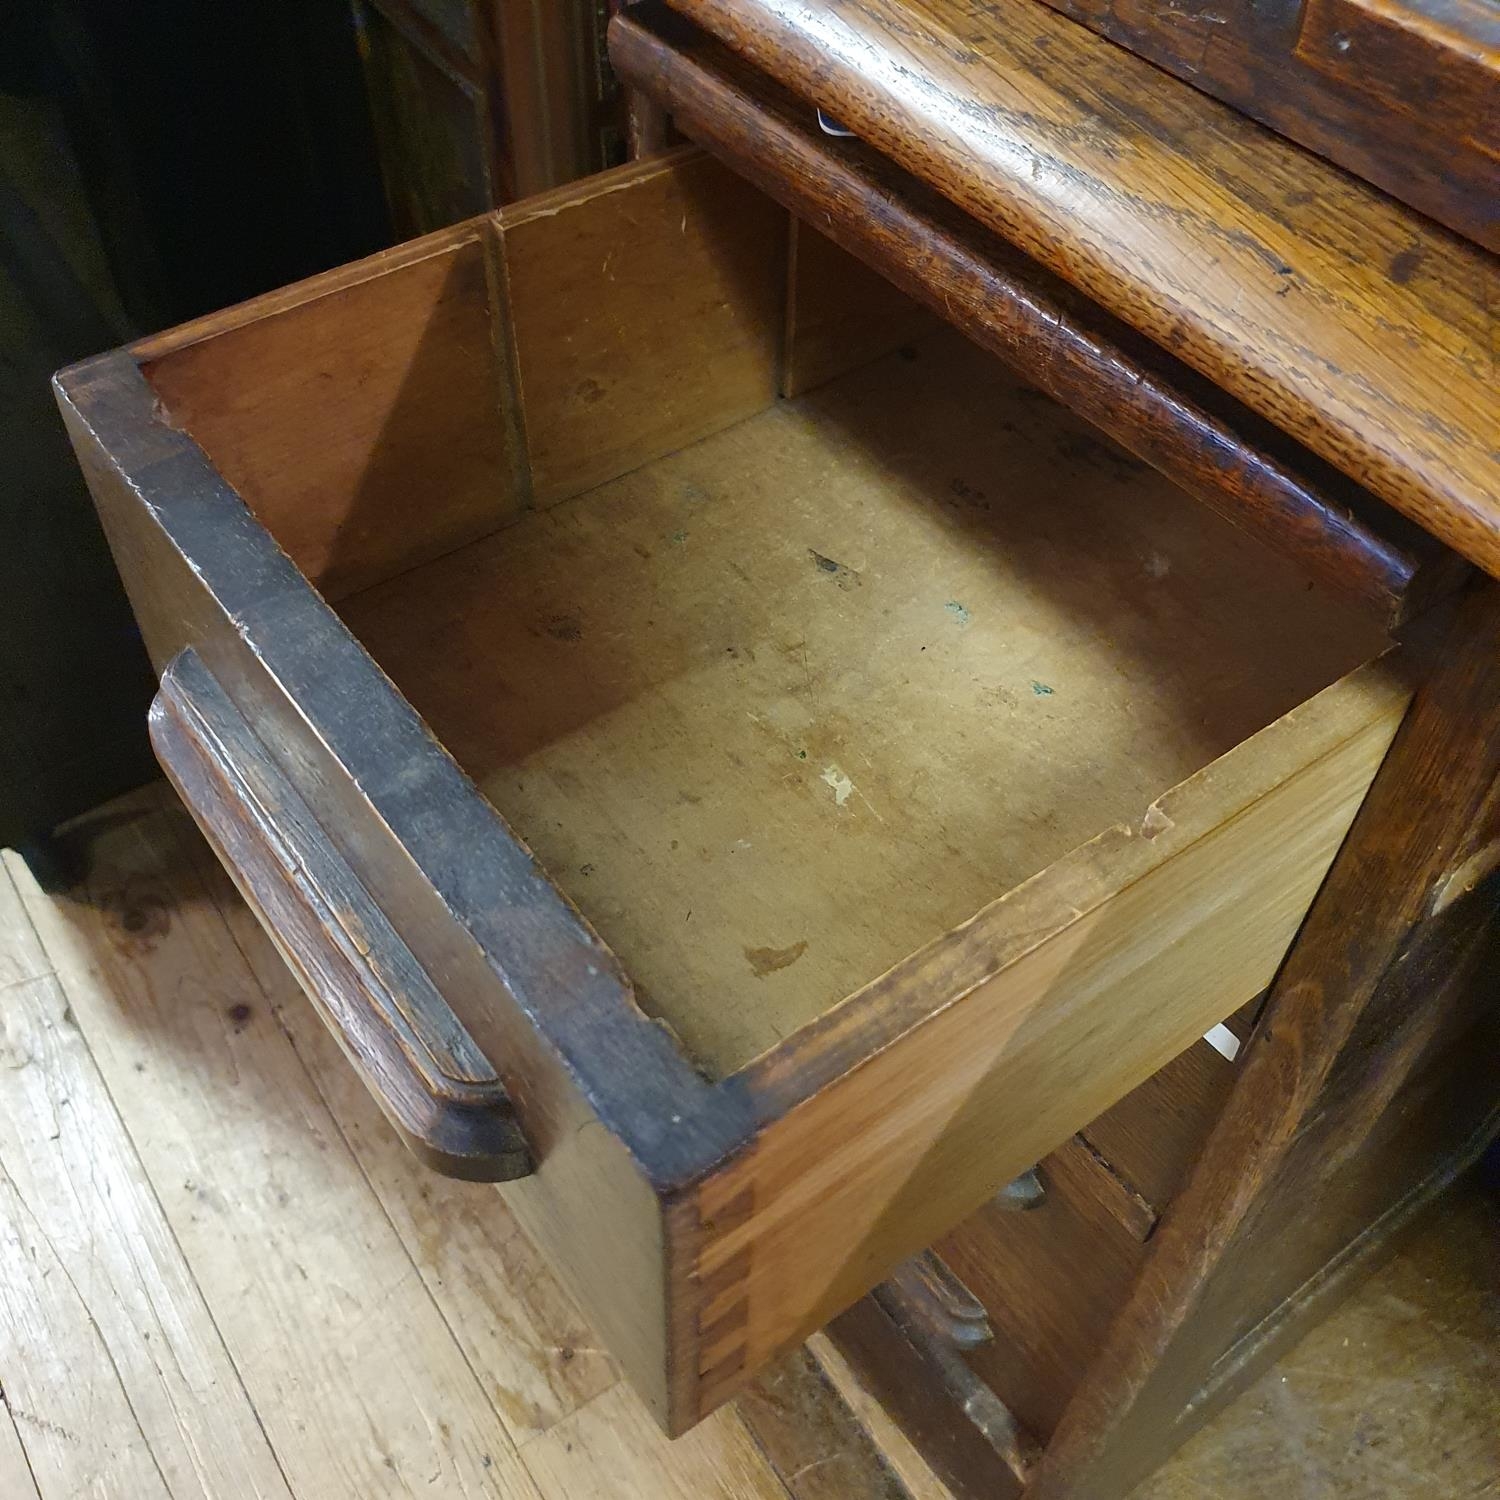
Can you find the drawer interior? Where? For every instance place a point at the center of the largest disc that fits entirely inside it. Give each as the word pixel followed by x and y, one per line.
pixel 779 708
pixel 778 690
pixel 936 772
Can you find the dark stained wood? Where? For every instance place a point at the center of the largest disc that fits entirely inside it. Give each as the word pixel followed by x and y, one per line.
pixel 424 1070
pixel 1321 1132
pixel 1272 273
pixel 920 1300
pixel 932 1296
pixel 438 127
pixel 476 103
pixel 1051 1281
pixel 1404 92
pixel 1154 405
pixel 817 1446
pixel 542 998
pixel 707 1227
pixel 903 1378
pixel 1153 1135
pixel 1090 1177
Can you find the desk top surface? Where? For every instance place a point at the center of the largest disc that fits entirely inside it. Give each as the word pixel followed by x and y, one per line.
pixel 1357 325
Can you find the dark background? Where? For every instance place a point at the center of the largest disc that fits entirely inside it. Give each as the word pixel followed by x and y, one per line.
pixel 158 159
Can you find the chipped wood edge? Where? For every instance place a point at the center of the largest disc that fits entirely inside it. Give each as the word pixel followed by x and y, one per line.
pixel 856 1167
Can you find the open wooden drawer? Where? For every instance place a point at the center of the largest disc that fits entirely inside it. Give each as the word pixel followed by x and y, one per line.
pixel 762 828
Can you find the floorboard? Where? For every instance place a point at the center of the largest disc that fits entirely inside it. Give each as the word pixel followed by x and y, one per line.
pixel 16 1478
pixel 612 1448
pixel 128 1375
pixel 354 1375
pixel 525 1339
pixel 221 1276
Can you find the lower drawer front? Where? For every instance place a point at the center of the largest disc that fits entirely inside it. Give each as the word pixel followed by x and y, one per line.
pixel 1052 1277
pixel 696 803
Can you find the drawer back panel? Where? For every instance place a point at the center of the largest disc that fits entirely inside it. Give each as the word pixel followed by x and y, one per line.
pixel 390 411
pixel 357 418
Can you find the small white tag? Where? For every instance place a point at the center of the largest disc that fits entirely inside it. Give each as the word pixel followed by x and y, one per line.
pixel 1223 1041
pixel 829 126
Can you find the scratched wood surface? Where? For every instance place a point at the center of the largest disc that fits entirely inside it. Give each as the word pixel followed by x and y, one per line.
pixel 1349 321
pixel 692 690
pixel 222 1275
pixel 160 1309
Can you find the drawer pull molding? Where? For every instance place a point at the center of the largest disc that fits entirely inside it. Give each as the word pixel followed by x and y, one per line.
pixel 424 1069
pixel 940 1317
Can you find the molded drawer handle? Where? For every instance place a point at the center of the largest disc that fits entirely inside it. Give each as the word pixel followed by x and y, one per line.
pixel 422 1066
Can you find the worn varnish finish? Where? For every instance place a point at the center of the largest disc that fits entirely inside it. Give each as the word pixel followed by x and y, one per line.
pixel 253 1243
pixel 1309 1149
pixel 1404 92
pixel 422 1067
pixel 1354 324
pixel 1055 337
pixel 709 745
pixel 1367 1086
pixel 709 1217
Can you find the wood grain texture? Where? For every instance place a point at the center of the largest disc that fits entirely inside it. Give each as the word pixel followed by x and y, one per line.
pixel 1153 1135
pixel 1092 975
pixel 809 1436
pixel 646 306
pixel 356 414
pixel 44 1314
pixel 1272 273
pixel 1361 1368
pixel 202 571
pixel 899 1384
pixel 15 1472
pixel 692 690
pixel 302 1275
pixel 578 1050
pixel 1051 1280
pixel 525 1339
pixel 908 1465
pixel 707 1226
pixel 907 1302
pixel 422 1067
pixel 111 1355
pixel 839 313
pixel 611 1447
pixel 558 100
pixel 513 360
pixel 1328 1123
pixel 1049 333
pixel 1400 91
pixel 438 126
pixel 495 1293
pixel 22 956
pixel 1089 1177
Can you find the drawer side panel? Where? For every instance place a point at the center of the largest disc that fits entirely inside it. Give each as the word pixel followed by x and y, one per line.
pixel 1073 989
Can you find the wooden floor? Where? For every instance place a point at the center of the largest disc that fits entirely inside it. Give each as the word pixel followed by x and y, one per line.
pixel 222 1276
